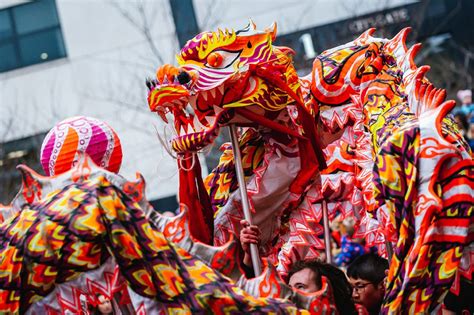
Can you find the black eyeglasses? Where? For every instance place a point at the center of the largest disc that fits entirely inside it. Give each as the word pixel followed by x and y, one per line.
pixel 360 286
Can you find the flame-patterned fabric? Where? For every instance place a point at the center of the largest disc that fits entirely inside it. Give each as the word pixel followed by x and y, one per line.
pixel 91 236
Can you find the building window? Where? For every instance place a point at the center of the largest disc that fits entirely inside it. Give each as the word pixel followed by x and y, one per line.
pixel 30 34
pixel 22 151
pixel 166 204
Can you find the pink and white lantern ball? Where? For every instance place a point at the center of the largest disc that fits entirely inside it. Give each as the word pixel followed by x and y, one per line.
pixel 61 147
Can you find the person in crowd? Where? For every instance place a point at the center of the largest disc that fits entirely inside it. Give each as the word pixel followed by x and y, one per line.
pixel 351 247
pixel 463 124
pixel 470 133
pixel 249 234
pixel 104 305
pixel 467 107
pixel 335 226
pixel 463 303
pixel 367 275
pixel 466 127
pixel 306 275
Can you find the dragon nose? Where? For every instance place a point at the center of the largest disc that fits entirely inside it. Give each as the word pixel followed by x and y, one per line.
pixel 184 77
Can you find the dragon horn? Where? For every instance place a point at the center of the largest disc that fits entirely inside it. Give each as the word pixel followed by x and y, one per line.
pixel 412 52
pixel 398 41
pixel 252 25
pixel 362 39
pixel 272 29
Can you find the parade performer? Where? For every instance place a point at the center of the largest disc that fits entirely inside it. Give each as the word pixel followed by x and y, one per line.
pixel 393 157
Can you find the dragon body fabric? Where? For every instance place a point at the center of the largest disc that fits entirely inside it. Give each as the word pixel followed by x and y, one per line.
pixel 85 233
pixel 365 135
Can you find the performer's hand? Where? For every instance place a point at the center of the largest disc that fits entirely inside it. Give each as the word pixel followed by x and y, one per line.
pixel 250 234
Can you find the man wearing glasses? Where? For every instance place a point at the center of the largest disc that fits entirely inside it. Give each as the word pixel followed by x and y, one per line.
pixel 366 276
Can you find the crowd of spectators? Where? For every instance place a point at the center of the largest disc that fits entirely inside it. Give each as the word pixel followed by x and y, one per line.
pixel 358 276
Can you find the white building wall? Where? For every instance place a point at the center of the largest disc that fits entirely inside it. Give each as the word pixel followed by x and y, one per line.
pixel 109 58
pixel 103 76
pixel 290 15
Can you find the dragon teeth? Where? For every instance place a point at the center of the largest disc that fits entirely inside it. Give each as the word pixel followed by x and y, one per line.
pixel 176 102
pixel 217 109
pixel 169 117
pixel 213 93
pixel 220 88
pixel 190 109
pixel 175 133
pixel 211 120
pixel 204 95
pixel 195 121
pixel 192 101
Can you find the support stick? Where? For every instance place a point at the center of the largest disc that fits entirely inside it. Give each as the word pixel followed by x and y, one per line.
pixel 389 249
pixel 327 235
pixel 243 194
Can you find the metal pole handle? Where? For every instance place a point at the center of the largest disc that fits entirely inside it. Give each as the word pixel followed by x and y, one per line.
pixel 239 170
pixel 327 236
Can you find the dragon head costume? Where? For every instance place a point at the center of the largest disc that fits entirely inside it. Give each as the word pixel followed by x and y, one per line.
pixel 225 77
pixel 234 77
pixel 394 158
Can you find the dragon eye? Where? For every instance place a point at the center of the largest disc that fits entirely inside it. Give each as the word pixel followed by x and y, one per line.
pixel 221 59
pixel 215 59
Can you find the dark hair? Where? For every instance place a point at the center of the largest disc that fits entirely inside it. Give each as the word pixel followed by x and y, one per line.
pixel 463 119
pixel 370 267
pixel 341 288
pixel 94 309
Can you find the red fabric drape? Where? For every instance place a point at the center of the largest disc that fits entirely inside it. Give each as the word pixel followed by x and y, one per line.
pixel 193 194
